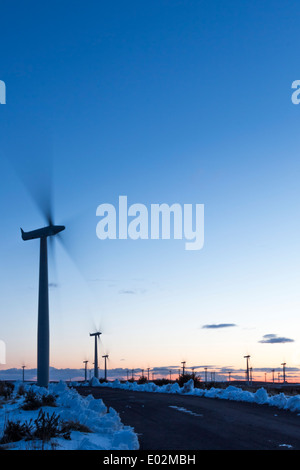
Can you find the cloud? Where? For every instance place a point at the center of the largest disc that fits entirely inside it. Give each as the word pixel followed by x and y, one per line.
pixel 271 339
pixel 132 291
pixel 220 325
pixel 127 291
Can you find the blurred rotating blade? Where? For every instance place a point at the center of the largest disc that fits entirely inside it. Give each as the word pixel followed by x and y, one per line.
pixel 30 154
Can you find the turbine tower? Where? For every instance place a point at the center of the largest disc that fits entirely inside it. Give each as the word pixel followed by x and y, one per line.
pixel 85 369
pixel 273 378
pixel 105 366
pixel 283 370
pixel 23 367
pixel 247 369
pixel 43 341
pixel 96 335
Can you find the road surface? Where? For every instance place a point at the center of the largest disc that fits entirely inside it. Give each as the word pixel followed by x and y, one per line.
pixel 178 422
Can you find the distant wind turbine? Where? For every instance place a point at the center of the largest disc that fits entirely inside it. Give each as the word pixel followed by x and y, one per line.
pixel 23 378
pixel 96 371
pixel 105 366
pixel 85 369
pixel 283 370
pixel 247 368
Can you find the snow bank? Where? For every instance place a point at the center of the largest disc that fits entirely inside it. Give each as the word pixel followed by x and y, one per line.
pixel 231 392
pixel 107 430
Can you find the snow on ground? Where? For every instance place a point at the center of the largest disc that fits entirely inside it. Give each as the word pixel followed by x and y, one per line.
pixel 107 430
pixel 260 397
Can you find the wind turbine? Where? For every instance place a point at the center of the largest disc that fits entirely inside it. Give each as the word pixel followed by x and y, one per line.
pixel 85 369
pixel 96 335
pixel 283 370
pixel 35 173
pixel 23 367
pixel 30 154
pixel 105 366
pixel 247 368
pixel 43 341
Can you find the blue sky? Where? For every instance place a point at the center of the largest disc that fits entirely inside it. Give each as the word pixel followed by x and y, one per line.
pixel 172 101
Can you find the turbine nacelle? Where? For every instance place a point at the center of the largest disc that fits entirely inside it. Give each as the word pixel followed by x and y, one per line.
pixel 42 232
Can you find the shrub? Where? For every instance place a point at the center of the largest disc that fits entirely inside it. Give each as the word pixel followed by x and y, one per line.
pixel 162 381
pixel 43 428
pixel 68 426
pixel 21 390
pixel 15 431
pixel 186 377
pixel 49 400
pixel 6 389
pixel 46 426
pixel 33 401
pixel 142 380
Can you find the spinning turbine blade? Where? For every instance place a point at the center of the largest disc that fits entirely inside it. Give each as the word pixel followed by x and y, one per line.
pixel 72 241
pixel 29 149
pixel 31 157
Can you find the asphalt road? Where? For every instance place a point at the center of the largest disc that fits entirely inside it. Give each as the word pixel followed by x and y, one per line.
pixel 207 424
